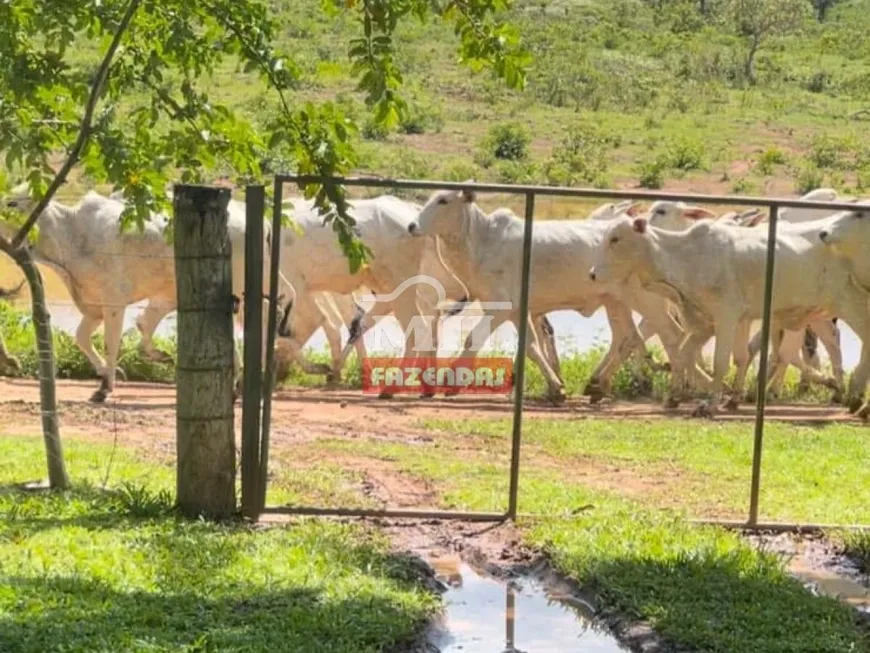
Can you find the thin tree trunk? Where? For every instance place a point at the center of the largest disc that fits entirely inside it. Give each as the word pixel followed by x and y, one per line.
pixel 57 476
pixel 749 69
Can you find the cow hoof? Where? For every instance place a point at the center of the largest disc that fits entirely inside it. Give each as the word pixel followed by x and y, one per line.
pixel 429 394
pixel 591 388
pixel 672 403
pixel 557 397
pixel 596 394
pixel 331 379
pixel 864 412
pixel 703 410
pixel 385 395
pixel 162 358
pixel 837 397
pixel 99 397
pixel 731 405
pixel 854 404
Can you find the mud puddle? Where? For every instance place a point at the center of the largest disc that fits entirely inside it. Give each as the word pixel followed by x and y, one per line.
pixel 827 582
pixel 520 615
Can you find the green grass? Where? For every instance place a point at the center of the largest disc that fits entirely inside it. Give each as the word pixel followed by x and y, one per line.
pixel 702 588
pixel 115 570
pixel 809 474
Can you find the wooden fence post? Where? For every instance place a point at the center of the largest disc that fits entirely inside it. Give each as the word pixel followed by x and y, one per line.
pixel 205 442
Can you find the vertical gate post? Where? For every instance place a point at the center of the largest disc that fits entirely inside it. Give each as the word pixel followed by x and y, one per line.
pixel 205 441
pixel 271 333
pixel 520 370
pixel 255 207
pixel 762 368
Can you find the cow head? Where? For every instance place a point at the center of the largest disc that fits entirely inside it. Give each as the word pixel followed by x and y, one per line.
pixel 676 216
pixel 612 211
pixel 848 233
pixel 443 214
pixel 621 251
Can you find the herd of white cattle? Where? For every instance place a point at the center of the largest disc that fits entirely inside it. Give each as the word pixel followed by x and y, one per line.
pixel 691 275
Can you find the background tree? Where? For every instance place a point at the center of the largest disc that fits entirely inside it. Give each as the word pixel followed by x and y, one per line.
pixel 139 113
pixel 822 7
pixel 760 20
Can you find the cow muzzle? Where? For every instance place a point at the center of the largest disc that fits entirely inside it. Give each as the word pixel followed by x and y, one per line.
pixel 824 235
pixel 414 229
pixel 593 276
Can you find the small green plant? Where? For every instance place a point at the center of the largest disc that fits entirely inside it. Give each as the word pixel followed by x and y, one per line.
pixel 581 156
pixel 686 154
pixel 142 502
pixel 827 152
pixel 771 157
pixel 373 130
pixel 507 141
pixel 743 186
pixel 421 118
pixel 516 172
pixel 652 173
pixel 809 177
pixel 461 171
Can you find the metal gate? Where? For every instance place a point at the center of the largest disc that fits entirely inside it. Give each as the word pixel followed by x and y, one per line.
pixel 258 387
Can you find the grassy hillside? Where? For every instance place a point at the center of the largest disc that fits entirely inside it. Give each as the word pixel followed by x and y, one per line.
pixel 621 94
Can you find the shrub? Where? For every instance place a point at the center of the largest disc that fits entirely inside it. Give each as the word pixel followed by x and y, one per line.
pixel 374 131
pixel 461 171
pixel 581 156
pixel 652 173
pixel 827 152
pixel 686 154
pixel 808 178
pixel 516 172
pixel 507 141
pixel 771 157
pixel 743 186
pixel 421 118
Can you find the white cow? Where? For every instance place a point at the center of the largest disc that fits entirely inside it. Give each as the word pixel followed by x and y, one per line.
pixel 847 235
pixel 8 362
pixel 405 272
pixel 485 250
pixel 105 270
pixel 715 273
pixel 788 345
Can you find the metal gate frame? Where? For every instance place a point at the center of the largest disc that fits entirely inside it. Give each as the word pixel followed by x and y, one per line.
pixel 255 433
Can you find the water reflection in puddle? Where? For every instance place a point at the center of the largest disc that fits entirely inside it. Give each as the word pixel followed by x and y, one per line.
pixel 829 583
pixel 483 615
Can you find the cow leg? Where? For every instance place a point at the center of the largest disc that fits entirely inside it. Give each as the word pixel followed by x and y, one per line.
pixel 829 334
pixel 555 388
pixel 547 337
pixel 625 340
pixel 480 333
pixel 333 341
pixel 785 345
pixel 741 360
pixel 147 323
pixel 84 332
pixel 7 361
pixel 114 325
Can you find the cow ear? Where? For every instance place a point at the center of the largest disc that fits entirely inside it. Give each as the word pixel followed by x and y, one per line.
pixel 697 213
pixel 633 210
pixel 639 225
pixel 469 196
pixel 756 220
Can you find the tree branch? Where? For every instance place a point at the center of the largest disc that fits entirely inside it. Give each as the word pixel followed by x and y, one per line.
pixel 84 130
